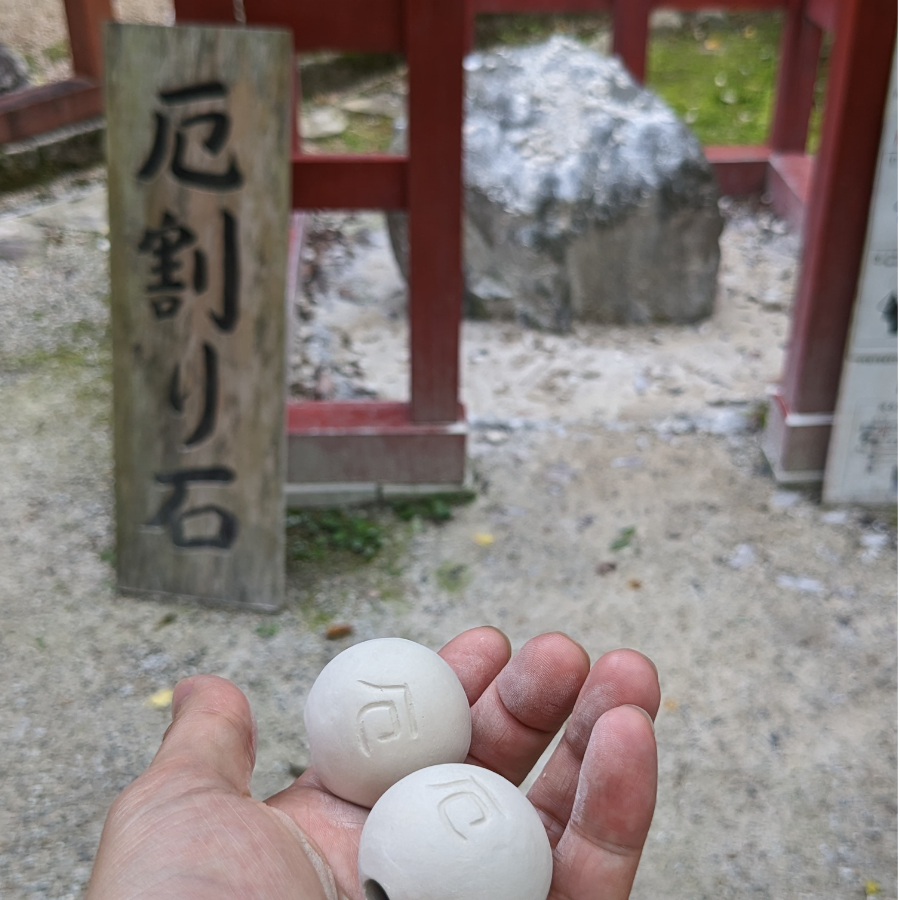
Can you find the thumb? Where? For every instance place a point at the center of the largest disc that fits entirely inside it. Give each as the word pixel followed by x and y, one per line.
pixel 212 735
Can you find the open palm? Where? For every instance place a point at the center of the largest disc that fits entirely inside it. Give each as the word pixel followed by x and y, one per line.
pixel 188 829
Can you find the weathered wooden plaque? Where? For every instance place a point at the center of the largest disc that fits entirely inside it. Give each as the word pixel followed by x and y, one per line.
pixel 198 141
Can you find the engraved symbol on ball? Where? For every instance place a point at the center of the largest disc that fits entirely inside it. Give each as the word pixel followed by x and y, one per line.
pixel 467 805
pixel 389 718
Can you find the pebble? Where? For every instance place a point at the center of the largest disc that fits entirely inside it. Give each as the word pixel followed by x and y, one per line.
pixel 801 584
pixel 784 499
pixel 323 122
pixel 744 555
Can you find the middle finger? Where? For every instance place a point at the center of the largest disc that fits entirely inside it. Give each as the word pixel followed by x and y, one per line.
pixel 518 714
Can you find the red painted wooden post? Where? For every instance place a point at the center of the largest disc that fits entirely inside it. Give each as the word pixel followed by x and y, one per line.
pixel 795 88
pixel 85 20
pixel 823 12
pixel 837 213
pixel 435 44
pixel 631 32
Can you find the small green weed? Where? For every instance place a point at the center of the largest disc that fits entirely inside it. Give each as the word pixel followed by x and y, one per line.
pixel 267 629
pixel 758 415
pixel 108 556
pixel 433 508
pixel 312 533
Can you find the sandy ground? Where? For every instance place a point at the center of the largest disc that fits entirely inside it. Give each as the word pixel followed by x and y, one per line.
pixel 771 618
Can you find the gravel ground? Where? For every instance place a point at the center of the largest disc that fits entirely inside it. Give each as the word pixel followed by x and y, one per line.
pixel 771 618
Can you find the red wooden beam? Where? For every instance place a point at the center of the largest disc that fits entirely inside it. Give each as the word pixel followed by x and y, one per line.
pixel 436 34
pixel 352 26
pixel 349 182
pixel 205 12
pixel 34 111
pixel 740 171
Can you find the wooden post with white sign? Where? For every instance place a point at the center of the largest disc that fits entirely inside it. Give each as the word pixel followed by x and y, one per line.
pixel 198 142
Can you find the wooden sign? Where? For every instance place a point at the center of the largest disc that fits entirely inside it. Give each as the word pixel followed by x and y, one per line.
pixel 198 140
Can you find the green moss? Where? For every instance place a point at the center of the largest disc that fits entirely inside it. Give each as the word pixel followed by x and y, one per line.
pixel 314 533
pixel 432 508
pixel 719 76
pixel 364 134
pixel 57 52
pixel 82 365
pixel 453 577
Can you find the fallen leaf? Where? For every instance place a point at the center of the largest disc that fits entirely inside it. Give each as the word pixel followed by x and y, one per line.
pixel 634 583
pixel 623 538
pixel 483 539
pixel 160 700
pixel 873 888
pixel 338 630
pixel 605 568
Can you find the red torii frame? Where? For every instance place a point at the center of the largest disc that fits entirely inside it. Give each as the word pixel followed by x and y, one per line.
pixel 424 441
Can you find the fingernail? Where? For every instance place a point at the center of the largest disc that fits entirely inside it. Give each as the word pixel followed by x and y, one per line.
pixel 180 694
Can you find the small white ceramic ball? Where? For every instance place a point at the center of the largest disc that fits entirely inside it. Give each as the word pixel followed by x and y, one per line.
pixel 454 831
pixel 380 710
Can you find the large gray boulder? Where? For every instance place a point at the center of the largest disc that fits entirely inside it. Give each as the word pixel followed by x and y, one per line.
pixel 585 196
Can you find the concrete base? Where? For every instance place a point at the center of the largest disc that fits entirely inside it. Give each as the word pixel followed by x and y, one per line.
pixel 301 496
pixel 796 444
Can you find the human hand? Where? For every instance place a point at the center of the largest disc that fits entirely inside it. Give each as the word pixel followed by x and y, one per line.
pixel 188 829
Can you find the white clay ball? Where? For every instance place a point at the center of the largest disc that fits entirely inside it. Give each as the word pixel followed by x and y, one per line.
pixel 380 710
pixel 454 831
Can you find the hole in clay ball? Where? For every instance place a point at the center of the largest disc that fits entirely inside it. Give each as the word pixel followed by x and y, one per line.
pixel 374 891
